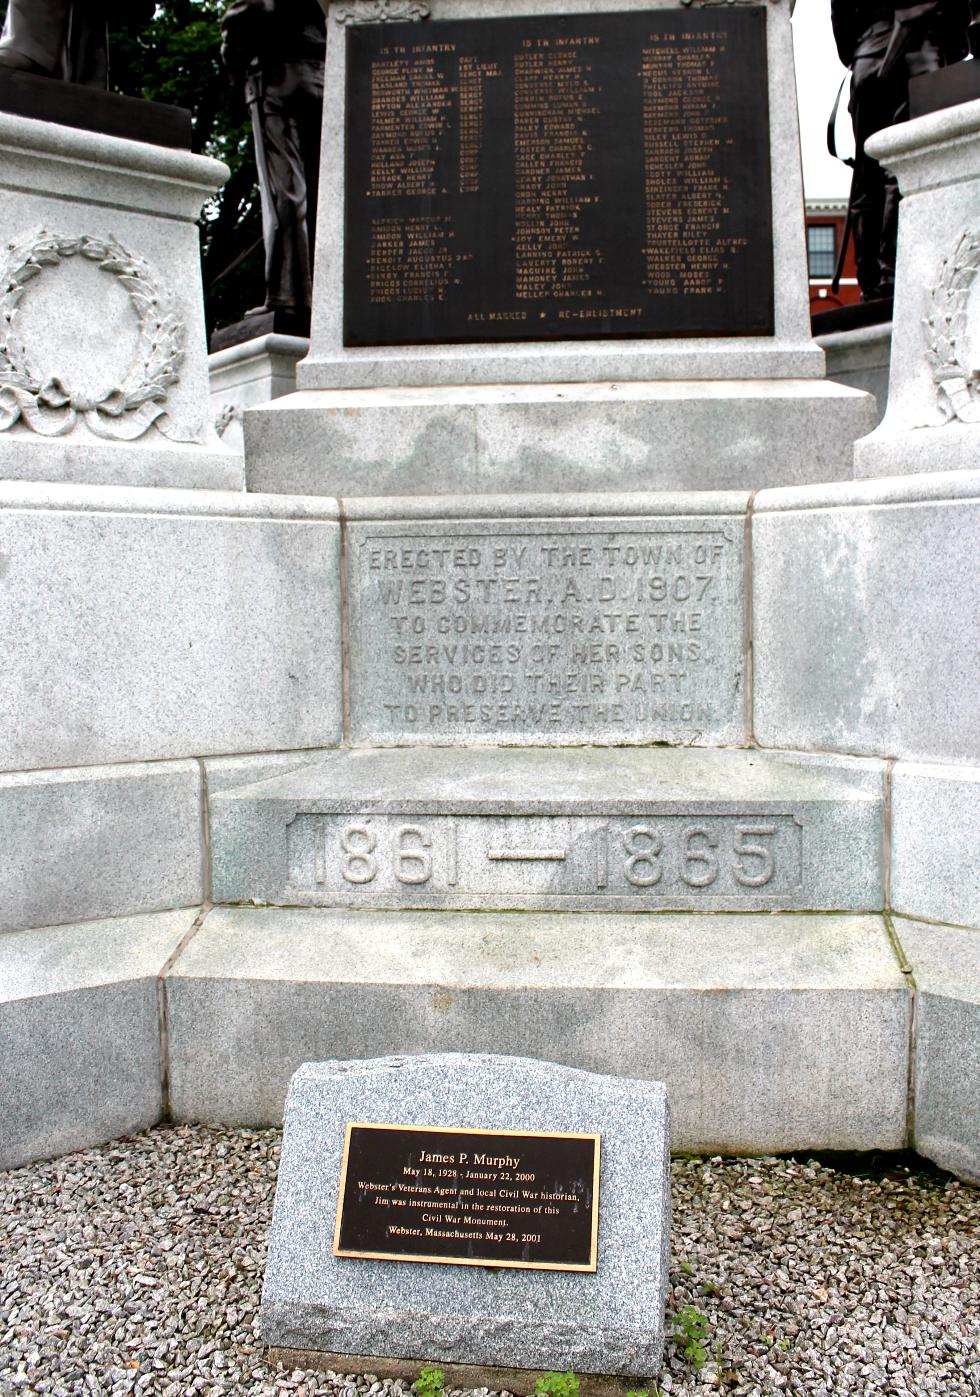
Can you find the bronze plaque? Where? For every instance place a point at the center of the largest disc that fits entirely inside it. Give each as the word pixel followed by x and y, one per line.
pixel 470 1197
pixel 558 177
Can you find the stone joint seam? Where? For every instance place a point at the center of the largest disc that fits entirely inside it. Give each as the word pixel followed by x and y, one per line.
pixel 907 971
pixel 163 1007
pixel 748 644
pixel 344 622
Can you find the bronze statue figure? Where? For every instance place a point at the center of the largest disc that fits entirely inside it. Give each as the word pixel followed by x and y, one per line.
pixel 885 45
pixel 274 49
pixel 64 38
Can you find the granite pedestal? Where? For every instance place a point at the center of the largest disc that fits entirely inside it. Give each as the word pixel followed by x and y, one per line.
pixel 630 779
pixel 860 359
pixel 933 417
pixel 103 361
pixel 616 830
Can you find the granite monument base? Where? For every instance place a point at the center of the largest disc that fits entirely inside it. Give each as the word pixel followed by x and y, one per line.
pixel 614 830
pixel 83 1056
pixel 162 625
pixel 610 1320
pixel 865 600
pixel 817 1005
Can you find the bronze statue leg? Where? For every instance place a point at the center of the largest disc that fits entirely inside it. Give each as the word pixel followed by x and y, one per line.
pixel 291 149
pixel 36 32
pixel 58 38
pixel 874 201
pixel 88 44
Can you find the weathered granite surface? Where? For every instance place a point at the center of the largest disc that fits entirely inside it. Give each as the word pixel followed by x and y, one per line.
pixel 689 434
pixel 865 599
pixel 595 828
pixel 771 1032
pixel 607 1322
pixel 147 624
pixel 933 417
pixel 80 1032
pixel 102 311
pixel 99 841
pixel 547 619
pixel 945 965
pixel 935 842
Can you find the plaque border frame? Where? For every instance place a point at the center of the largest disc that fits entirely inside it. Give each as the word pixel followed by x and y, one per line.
pixel 590 1268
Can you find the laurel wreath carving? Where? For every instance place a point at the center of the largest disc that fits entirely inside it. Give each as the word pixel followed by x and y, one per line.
pixel 381 11
pixel 50 407
pixel 231 412
pixel 947 331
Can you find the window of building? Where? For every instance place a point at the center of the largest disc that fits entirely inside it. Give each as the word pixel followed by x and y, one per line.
pixel 821 247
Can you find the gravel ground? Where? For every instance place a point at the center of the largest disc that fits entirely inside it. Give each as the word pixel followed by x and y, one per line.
pixel 137 1268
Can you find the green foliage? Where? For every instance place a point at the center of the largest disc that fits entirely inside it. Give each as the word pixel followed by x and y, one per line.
pixel 557 1385
pixel 429 1382
pixel 691 1327
pixel 176 58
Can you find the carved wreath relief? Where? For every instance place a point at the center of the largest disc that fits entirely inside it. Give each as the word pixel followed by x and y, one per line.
pixel 381 11
pixel 231 412
pixel 948 333
pixel 46 404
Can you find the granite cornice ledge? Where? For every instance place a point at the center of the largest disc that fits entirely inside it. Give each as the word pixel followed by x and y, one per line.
pixel 263 346
pixel 931 150
pixel 939 487
pixel 70 143
pixel 115 499
pixel 545 506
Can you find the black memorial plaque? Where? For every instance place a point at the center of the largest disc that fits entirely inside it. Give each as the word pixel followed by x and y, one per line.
pixel 570 177
pixel 471 1197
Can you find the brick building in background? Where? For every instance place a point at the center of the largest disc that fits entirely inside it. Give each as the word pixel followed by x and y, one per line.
pixel 825 220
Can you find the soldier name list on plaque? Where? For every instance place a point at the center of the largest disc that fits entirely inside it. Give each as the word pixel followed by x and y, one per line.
pixel 541 177
pixel 474 1197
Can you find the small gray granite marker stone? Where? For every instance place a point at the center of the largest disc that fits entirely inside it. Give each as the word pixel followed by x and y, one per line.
pixel 611 1321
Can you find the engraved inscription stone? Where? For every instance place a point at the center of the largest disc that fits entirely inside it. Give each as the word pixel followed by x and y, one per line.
pixel 558 177
pixel 564 630
pixel 535 828
pixel 473 1197
pixel 678 857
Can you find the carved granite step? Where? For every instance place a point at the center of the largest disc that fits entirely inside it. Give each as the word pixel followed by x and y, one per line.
pixel 771 1032
pixel 580 828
